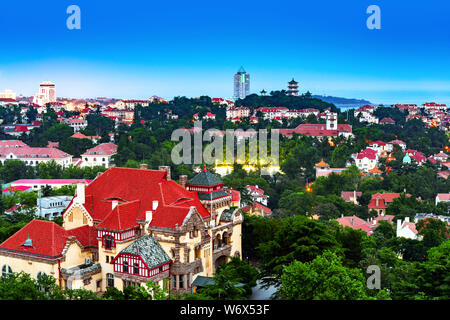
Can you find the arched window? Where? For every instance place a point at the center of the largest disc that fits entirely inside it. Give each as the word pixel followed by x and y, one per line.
pixel 6 270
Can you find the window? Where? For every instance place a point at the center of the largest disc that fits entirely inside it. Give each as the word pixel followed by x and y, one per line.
pixel 108 242
pixel 125 267
pixel 136 268
pixel 181 281
pixel 107 259
pixel 6 270
pixel 174 282
pixel 110 278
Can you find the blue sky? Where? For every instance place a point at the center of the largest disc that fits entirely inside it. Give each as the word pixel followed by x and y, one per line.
pixel 136 49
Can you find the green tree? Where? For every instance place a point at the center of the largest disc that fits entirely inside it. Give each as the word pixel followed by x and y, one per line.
pixel 324 278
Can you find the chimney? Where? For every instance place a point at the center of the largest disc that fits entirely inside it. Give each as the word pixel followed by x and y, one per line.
pixel 376 201
pixel 114 203
pixel 148 216
pixel 80 198
pixel 155 205
pixel 143 166
pixel 99 174
pixel 167 169
pixel 183 180
pixel 407 219
pixel 351 221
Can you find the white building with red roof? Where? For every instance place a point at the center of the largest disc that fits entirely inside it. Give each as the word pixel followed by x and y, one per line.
pixel 400 143
pixel 365 114
pixel 76 123
pixel 8 102
pixel 330 129
pixel 33 156
pixel 131 104
pixel 443 197
pixel 257 194
pixel 367 159
pixel 406 229
pixel 433 105
pixel 237 112
pixel 99 155
pixel 368 225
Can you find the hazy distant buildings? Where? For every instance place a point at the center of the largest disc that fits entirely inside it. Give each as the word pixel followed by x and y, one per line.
pixel 241 84
pixel 46 94
pixel 292 88
pixel 8 94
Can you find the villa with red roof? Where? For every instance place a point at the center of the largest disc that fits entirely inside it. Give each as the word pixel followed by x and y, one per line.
pixel 366 160
pixel 323 169
pixel 129 227
pixel 257 209
pixel 99 155
pixel 257 194
pixel 380 201
pixel 131 104
pixel 359 224
pixel 79 135
pixel 76 123
pixel 406 229
pixel 330 129
pixel 15 150
pixel 387 121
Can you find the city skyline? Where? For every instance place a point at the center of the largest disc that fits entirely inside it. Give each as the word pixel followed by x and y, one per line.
pixel 170 53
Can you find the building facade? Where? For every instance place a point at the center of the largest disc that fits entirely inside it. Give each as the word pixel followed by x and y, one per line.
pixel 46 94
pixel 241 84
pixel 129 227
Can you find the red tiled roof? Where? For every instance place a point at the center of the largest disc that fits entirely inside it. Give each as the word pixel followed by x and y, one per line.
pixel 444 196
pixel 12 143
pixel 399 142
pixel 122 217
pixel 143 186
pixel 16 188
pixel 366 155
pixel 47 237
pixel 254 188
pixel 257 205
pixel 86 235
pixel 368 150
pixel 387 120
pixel 346 195
pixel 377 203
pixel 27 152
pixel 108 148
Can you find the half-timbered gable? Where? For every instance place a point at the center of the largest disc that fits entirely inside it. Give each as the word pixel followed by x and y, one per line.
pixel 143 258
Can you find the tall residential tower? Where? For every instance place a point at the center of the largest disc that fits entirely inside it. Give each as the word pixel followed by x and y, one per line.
pixel 241 84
